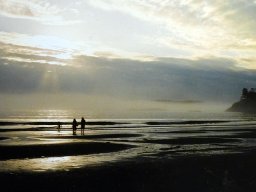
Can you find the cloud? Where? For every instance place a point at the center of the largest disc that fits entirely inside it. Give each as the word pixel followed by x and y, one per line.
pixel 37 10
pixel 195 25
pixel 10 53
pixel 247 62
pixel 38 48
pixel 208 79
pixel 59 51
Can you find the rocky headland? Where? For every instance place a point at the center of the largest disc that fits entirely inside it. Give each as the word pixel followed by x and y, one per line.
pixel 247 103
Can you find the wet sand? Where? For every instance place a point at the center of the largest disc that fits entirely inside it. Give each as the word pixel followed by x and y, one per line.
pixel 194 140
pixel 185 122
pixel 59 149
pixel 3 138
pixel 229 173
pixel 194 159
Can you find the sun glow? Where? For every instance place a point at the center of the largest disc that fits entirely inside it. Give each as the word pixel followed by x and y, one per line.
pixel 50 80
pixel 39 48
pixel 49 42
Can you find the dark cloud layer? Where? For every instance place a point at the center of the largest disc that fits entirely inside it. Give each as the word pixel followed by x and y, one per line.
pixel 212 79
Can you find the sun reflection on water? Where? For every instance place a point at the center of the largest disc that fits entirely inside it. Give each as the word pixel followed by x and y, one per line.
pixel 53 113
pixel 64 163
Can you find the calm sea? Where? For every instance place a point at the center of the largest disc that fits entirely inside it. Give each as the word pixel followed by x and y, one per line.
pixel 67 115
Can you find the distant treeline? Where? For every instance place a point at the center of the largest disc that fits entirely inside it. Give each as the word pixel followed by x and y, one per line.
pixel 248 94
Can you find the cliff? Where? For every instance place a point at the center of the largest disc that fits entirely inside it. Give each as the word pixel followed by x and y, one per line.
pixel 247 103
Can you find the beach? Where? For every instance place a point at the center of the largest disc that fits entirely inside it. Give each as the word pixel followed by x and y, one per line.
pixel 215 173
pixel 129 155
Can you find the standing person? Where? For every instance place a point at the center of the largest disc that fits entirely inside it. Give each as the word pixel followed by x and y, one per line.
pixel 74 126
pixel 82 126
pixel 59 126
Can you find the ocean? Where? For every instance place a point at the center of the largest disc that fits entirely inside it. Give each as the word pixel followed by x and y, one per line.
pixel 30 140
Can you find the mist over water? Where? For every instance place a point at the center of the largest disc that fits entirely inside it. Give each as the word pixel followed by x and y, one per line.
pixel 103 107
pixel 150 126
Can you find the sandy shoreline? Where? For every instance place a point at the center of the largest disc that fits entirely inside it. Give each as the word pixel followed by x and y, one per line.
pixel 198 156
pixel 59 149
pixel 233 172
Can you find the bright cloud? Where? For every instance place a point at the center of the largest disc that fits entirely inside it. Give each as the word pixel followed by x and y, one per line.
pixel 193 24
pixel 37 10
pixel 36 49
pixel 135 29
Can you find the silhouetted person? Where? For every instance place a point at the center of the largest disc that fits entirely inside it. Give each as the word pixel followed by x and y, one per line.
pixel 59 126
pixel 74 126
pixel 82 126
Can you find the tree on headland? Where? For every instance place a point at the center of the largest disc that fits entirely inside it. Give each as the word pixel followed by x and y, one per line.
pixel 244 93
pixel 247 103
pixel 248 94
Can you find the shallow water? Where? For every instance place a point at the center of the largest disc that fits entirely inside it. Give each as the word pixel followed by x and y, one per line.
pixel 177 134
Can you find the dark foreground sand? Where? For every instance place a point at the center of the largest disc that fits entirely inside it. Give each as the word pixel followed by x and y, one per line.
pixel 163 172
pixel 229 173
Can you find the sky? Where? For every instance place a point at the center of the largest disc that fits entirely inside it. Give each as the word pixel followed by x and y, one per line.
pixel 136 49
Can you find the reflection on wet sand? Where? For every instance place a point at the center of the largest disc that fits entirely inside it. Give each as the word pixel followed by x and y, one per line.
pixel 64 163
pixel 44 148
